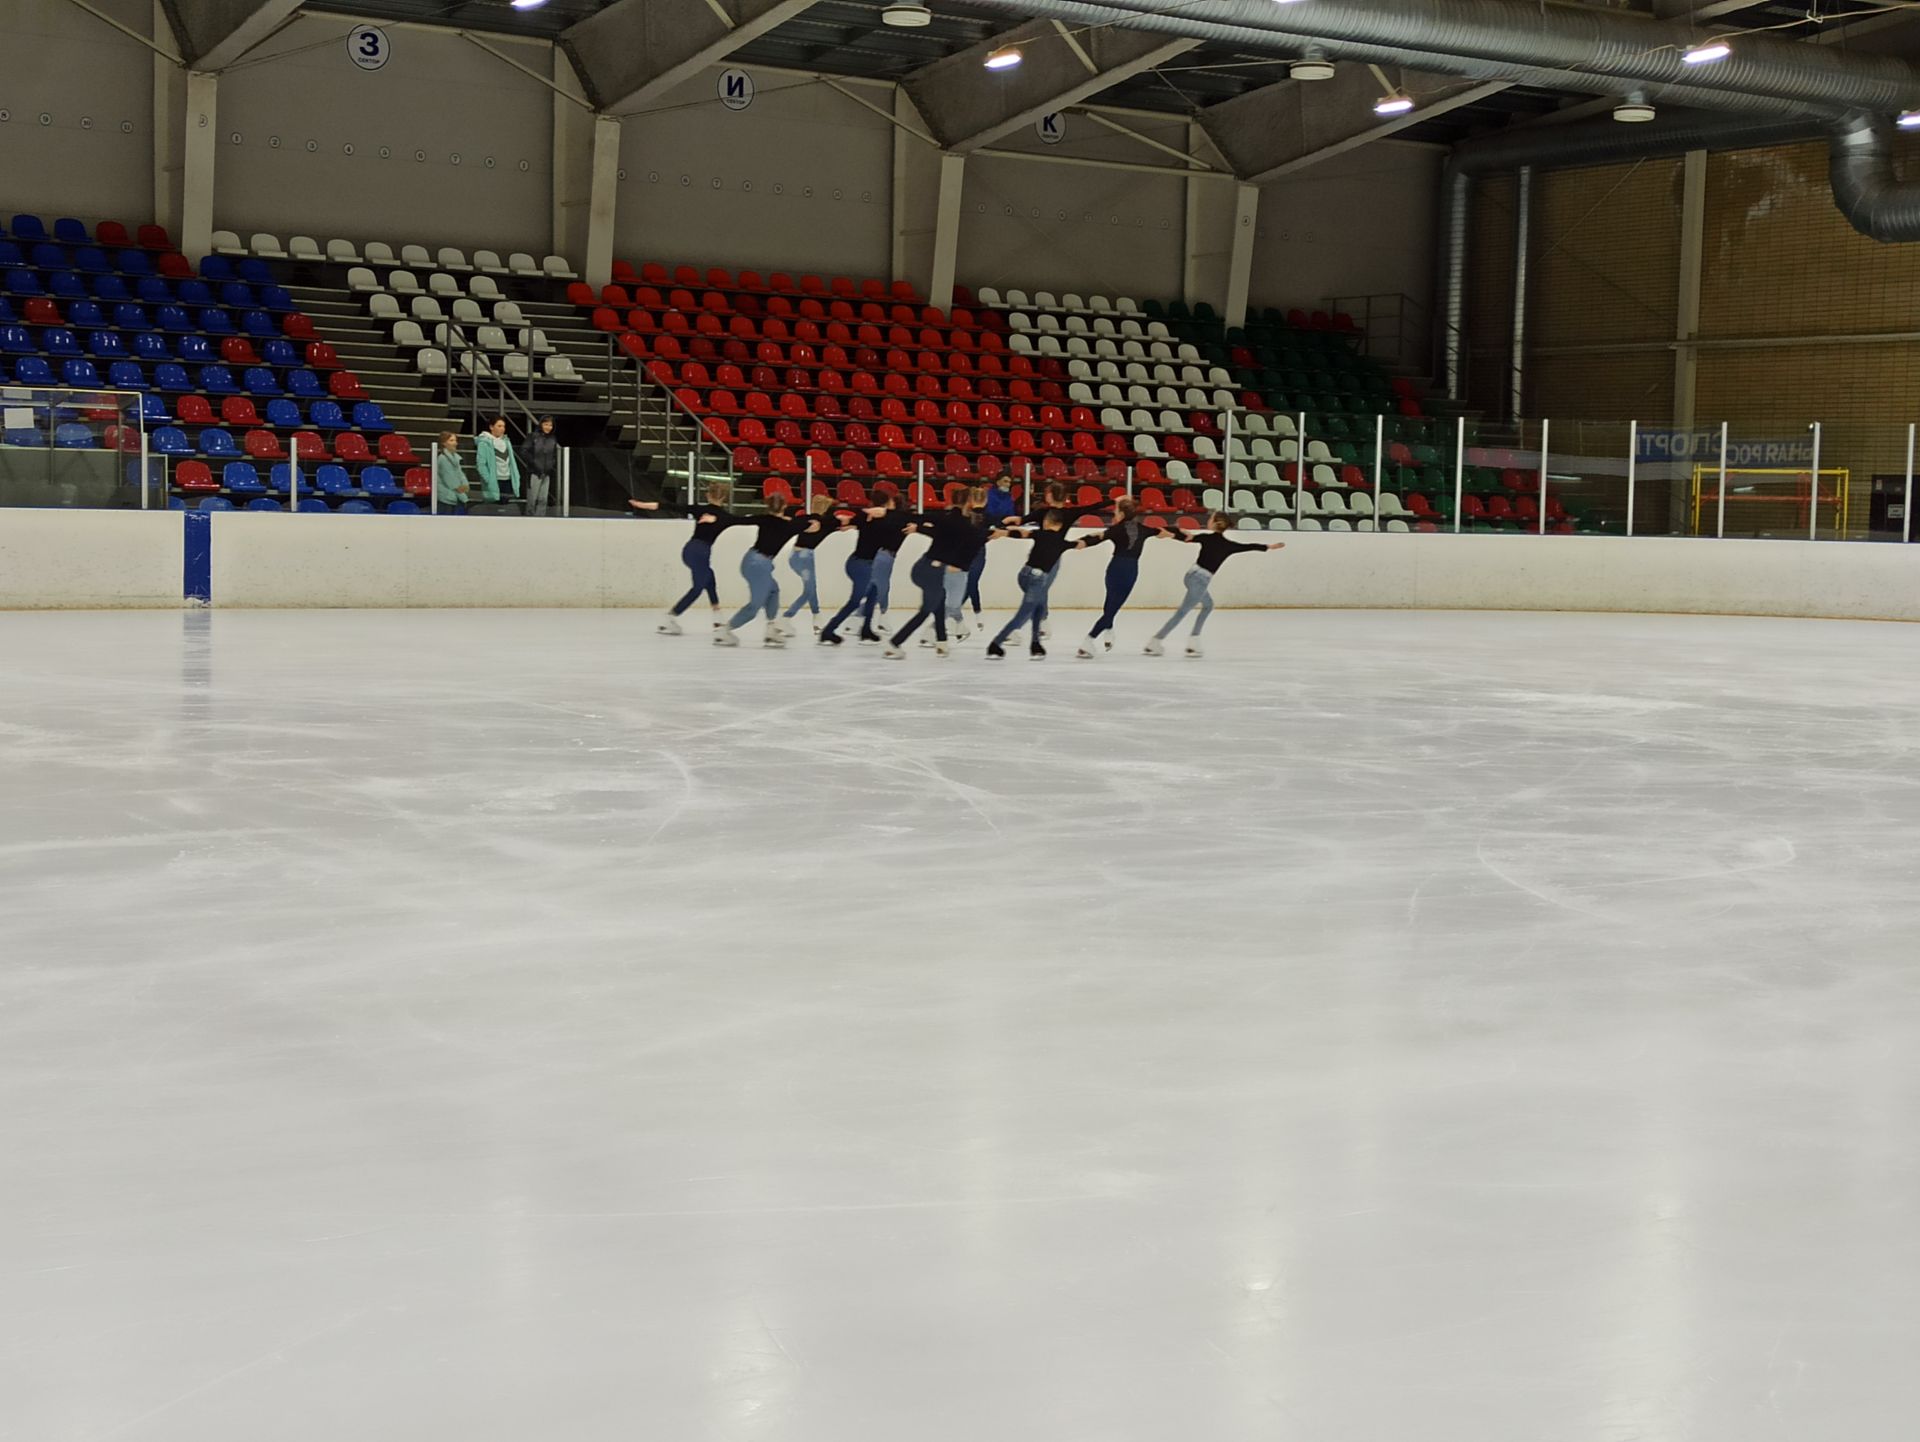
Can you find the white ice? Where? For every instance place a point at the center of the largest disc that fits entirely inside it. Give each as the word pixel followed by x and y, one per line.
pixel 519 1027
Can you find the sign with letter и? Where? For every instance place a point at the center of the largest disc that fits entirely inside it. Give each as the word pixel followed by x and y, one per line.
pixel 736 89
pixel 369 47
pixel 1051 128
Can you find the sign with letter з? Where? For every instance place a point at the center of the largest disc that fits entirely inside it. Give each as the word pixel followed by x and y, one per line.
pixel 736 89
pixel 369 47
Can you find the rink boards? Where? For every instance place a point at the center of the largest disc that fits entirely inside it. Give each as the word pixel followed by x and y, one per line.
pixel 118 559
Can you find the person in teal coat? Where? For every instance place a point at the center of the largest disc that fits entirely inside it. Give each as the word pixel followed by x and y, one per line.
pixel 450 489
pixel 496 464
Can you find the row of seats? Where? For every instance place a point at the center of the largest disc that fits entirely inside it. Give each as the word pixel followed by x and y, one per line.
pixel 751 282
pixel 112 288
pixel 377 252
pixel 282 412
pixel 69 231
pixel 243 478
pixel 308 505
pixel 266 445
pixel 260 382
pixel 362 281
pixel 559 369
pixel 646 301
pixel 156 346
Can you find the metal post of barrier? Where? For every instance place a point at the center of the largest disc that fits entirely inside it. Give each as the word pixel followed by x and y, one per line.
pixel 1379 465
pixel 920 477
pixel 1633 458
pixel 146 480
pixel 1226 462
pixel 566 482
pixel 1459 470
pixel 1026 486
pixel 293 480
pixel 806 485
pixel 1546 430
pixel 691 502
pixel 1720 523
pixel 1299 466
pixel 1813 492
pixel 1906 511
pixel 1130 479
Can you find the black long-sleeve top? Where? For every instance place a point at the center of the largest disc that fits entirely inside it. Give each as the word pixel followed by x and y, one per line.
pixel 710 521
pixel 773 533
pixel 1214 549
pixel 1128 538
pixel 956 540
pixel 1048 548
pixel 880 533
pixel 805 540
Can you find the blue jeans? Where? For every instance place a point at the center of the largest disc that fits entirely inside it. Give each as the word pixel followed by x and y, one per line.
pixel 1199 597
pixel 974 572
pixel 877 596
pixel 802 563
pixel 956 589
pixel 763 591
pixel 859 577
pixel 1122 572
pixel 697 557
pixel 931 577
pixel 1033 593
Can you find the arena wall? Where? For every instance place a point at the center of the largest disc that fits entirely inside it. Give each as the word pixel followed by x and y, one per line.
pixel 83 560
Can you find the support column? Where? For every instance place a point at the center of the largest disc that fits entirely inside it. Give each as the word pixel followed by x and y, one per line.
pixel 1686 320
pixel 1246 209
pixel 1522 251
pixel 904 115
pixel 169 110
pixel 603 200
pixel 1191 277
pixel 572 161
pixel 946 229
pixel 201 133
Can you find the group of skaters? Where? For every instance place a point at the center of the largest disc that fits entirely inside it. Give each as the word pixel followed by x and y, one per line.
pixel 947 573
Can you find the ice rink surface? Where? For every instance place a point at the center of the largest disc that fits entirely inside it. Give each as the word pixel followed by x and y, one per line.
pixel 518 1027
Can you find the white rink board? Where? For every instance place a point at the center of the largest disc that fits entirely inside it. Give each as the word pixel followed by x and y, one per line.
pixel 89 560
pixel 282 561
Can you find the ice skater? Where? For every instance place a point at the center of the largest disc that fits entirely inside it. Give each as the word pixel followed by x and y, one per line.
pixel 772 532
pixel 1129 536
pixel 1056 500
pixel 1215 548
pixel 802 559
pixel 1050 543
pixel 697 555
pixel 955 538
pixel 894 527
pixel 877 524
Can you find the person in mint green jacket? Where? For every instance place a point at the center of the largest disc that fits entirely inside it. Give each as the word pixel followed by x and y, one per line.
pixel 495 463
pixel 450 489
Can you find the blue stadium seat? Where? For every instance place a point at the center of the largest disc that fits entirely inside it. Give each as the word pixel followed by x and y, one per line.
pixel 258 324
pixel 133 262
pixel 81 375
pixel 313 505
pixel 218 381
pixel 153 411
pixel 174 503
pixel 7 317
pixel 327 416
pixel 402 508
pixel 216 267
pixel 333 481
pixel 216 442
pixel 241 479
pixel 156 471
pixel 305 383
pixel 280 352
pixel 66 284
pixel 276 297
pixel 260 381
pixel 72 436
pixel 264 503
pixel 150 345
pixel 173 317
pixel 280 478
pixel 10 254
pixel 130 315
pixel 282 414
pixel 111 288
pixel 58 340
pixel 23 436
pixel 18 339
pixel 254 272
pixel 215 321
pixel 27 227
pixel 193 292
pixel 238 294
pixel 356 508
pixel 85 313
pixel 195 350
pixel 92 259
pixel 47 256
pixel 70 231
pixel 155 290
pixel 368 416
pixel 23 282
pixel 127 376
pixel 214 503
pixel 30 370
pixel 379 481
pixel 106 345
pixel 170 441
pixel 171 377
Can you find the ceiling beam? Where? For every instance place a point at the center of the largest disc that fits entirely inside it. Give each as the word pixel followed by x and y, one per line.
pixel 1279 129
pixel 212 34
pixel 967 106
pixel 635 51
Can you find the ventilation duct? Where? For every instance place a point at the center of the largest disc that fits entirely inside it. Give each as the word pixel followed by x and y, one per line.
pixel 1860 169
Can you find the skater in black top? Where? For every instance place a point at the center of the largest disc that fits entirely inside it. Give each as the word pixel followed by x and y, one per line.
pixel 772 532
pixel 1050 543
pixel 876 525
pixel 1128 535
pixel 806 541
pixel 1215 548
pixel 697 555
pixel 955 540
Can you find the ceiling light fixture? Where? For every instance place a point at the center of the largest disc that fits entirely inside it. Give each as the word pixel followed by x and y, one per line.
pixel 1634 110
pixel 1004 58
pixel 906 16
pixel 1394 102
pixel 1311 66
pixel 1707 51
pixel 1908 120
pixel 527 4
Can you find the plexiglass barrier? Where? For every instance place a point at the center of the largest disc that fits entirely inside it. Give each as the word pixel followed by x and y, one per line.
pixel 77 448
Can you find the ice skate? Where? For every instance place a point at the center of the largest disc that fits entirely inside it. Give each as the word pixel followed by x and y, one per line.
pixel 669 627
pixel 941 648
pixel 1083 652
pixel 1153 647
pixel 724 637
pixel 1037 651
pixel 1193 648
pixel 892 652
pixel 994 653
pixel 827 638
pixel 774 640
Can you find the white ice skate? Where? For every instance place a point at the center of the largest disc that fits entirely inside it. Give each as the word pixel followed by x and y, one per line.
pixel 775 640
pixel 670 626
pixel 1083 653
pixel 1193 648
pixel 892 652
pixel 724 637
pixel 940 648
pixel 1153 647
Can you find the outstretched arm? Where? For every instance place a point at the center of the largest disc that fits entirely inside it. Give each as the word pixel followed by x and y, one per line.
pixel 644 505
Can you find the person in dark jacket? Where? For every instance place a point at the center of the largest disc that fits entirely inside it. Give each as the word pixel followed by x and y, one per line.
pixel 540 459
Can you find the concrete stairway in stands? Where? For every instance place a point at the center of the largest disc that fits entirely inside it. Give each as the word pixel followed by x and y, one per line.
pixel 413 405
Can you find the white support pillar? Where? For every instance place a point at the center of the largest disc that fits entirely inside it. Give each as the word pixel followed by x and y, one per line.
pixel 572 161
pixel 1191 272
pixel 1686 321
pixel 201 132
pixel 602 200
pixel 1246 210
pixel 903 115
pixel 169 108
pixel 946 229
